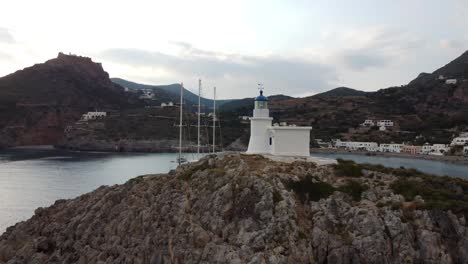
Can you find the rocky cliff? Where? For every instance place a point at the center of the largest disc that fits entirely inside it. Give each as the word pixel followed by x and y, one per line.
pixel 38 102
pixel 236 208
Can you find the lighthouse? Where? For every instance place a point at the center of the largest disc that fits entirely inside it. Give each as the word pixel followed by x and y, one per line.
pixel 276 140
pixel 259 124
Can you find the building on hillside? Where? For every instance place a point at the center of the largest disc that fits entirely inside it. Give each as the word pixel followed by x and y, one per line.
pixel 368 123
pixel 385 123
pixel 93 115
pixel 275 140
pixel 147 95
pixel 451 81
pixel 413 150
pixel 394 148
pixel 441 77
pixel 168 104
pixel 382 128
pixel 461 140
pixel 353 145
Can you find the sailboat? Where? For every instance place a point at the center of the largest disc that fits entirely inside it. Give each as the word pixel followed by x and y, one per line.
pixel 181 159
pixel 214 120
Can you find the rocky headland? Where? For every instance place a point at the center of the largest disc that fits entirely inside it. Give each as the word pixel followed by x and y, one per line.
pixel 235 208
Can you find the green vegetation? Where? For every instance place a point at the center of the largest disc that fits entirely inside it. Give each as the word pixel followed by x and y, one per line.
pixel 186 175
pixel 443 193
pixel 354 188
pixel 277 196
pixel 348 168
pixel 307 190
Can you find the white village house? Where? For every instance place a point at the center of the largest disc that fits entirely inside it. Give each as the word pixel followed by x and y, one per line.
pixel 385 123
pixel 275 140
pixel 169 104
pixel 451 81
pixel 147 94
pixel 354 145
pixel 461 140
pixel 436 149
pixel 368 123
pixel 394 148
pixel 93 115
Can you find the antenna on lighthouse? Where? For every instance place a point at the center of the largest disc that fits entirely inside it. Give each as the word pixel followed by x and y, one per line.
pixel 260 87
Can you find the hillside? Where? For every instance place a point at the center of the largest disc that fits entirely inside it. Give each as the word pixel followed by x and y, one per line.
pixel 38 102
pixel 236 208
pixel 341 92
pixel 171 91
pixel 244 106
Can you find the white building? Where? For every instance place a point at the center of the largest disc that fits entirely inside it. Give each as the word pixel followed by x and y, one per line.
pixel 439 149
pixel 451 81
pixel 436 149
pixel 147 94
pixel 368 123
pixel 169 104
pixel 385 123
pixel 93 115
pixel 275 140
pixel 394 148
pixel 352 145
pixel 461 140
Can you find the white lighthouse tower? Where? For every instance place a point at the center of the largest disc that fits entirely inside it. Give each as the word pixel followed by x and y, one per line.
pixel 259 125
pixel 275 140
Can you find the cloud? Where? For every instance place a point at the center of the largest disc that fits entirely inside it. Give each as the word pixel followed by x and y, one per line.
pixel 451 44
pixel 239 73
pixel 4 56
pixel 374 47
pixel 5 36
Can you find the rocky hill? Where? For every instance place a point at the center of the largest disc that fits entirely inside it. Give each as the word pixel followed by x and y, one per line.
pixel 341 92
pixel 237 208
pixel 38 102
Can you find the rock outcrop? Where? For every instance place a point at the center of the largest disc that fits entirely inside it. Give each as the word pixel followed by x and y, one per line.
pixel 39 102
pixel 235 208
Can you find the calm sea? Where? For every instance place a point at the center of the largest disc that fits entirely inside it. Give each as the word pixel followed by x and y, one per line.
pixel 37 176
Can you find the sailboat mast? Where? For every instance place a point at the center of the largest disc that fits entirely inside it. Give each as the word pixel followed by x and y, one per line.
pixel 180 123
pixel 198 127
pixel 214 120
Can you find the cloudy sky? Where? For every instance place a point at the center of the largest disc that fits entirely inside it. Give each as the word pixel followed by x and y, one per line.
pixel 294 47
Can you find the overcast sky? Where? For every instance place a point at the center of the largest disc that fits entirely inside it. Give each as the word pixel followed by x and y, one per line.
pixel 294 47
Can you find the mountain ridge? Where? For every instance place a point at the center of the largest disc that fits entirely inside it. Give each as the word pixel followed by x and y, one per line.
pixel 38 102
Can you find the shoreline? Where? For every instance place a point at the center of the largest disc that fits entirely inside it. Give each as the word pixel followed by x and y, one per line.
pixel 447 159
